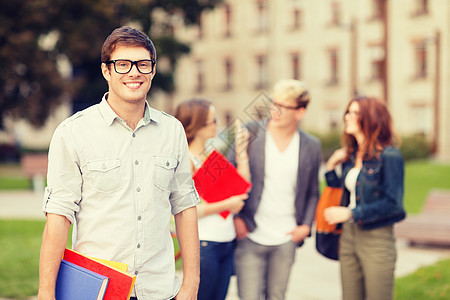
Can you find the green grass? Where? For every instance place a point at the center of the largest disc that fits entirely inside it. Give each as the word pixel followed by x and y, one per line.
pixel 20 242
pixel 19 183
pixel 19 259
pixel 420 177
pixel 432 282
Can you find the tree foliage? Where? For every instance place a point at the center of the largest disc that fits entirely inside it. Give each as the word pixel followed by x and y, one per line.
pixel 30 83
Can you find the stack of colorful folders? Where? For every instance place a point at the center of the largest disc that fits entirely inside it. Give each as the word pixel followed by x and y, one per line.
pixel 83 277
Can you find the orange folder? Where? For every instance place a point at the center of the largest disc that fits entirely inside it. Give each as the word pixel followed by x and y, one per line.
pixel 217 179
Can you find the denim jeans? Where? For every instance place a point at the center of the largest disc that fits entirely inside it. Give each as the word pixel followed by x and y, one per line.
pixel 216 268
pixel 263 270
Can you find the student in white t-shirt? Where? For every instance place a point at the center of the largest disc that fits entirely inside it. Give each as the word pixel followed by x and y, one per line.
pixel 217 234
pixel 278 214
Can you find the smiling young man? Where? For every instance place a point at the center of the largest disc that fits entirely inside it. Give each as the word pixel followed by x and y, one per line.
pixel 278 214
pixel 117 170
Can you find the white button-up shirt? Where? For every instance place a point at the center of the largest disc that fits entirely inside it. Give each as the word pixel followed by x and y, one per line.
pixel 119 188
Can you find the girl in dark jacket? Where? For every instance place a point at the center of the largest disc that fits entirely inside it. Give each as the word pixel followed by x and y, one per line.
pixel 372 201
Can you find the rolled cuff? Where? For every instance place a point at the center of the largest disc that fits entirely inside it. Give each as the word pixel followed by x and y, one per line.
pixel 51 205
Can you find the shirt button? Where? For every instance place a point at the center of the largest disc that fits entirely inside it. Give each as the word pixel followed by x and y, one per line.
pixel 136 162
pixel 139 218
pixel 133 135
pixel 138 189
pixel 136 272
pixel 138 246
pixel 167 164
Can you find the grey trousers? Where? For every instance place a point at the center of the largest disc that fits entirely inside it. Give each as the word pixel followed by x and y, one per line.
pixel 263 271
pixel 367 262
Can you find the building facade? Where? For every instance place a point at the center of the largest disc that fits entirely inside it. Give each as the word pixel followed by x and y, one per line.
pixel 395 50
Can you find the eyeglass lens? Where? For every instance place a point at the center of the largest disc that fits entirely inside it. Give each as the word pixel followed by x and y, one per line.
pixel 124 66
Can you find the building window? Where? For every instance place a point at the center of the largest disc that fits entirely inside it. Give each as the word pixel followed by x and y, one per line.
pixel 261 76
pixel 297 18
pixel 335 13
pixel 423 119
pixel 420 57
pixel 228 65
pixel 295 65
pixel 377 57
pixel 261 16
pixel 200 84
pixel 200 30
pixel 376 70
pixel 421 7
pixel 334 67
pixel 227 20
pixel 377 9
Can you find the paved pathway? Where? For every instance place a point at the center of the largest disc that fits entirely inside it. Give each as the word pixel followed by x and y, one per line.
pixel 313 277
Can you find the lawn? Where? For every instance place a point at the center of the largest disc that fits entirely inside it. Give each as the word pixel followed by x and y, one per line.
pixel 20 243
pixel 420 177
pixel 19 260
pixel 432 282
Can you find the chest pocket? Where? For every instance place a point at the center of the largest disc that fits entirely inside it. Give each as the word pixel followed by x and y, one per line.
pixel 105 174
pixel 164 171
pixel 371 172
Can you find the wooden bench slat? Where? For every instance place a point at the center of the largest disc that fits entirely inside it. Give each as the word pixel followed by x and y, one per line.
pixel 432 225
pixel 34 164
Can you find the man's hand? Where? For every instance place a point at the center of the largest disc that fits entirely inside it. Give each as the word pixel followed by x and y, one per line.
pixel 241 228
pixel 187 293
pixel 300 233
pixel 45 295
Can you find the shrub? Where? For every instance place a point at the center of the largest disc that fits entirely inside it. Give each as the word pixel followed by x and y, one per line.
pixel 330 142
pixel 415 147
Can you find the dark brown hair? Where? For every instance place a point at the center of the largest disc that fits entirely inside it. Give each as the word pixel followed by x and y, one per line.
pixel 193 114
pixel 376 125
pixel 126 36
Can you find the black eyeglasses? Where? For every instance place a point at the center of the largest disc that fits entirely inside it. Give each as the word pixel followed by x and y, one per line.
pixel 123 66
pixel 282 106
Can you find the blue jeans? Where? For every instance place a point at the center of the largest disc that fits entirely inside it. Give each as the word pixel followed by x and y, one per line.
pixel 263 270
pixel 216 268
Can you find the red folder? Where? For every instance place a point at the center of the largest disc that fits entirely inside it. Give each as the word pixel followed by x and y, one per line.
pixel 217 179
pixel 120 283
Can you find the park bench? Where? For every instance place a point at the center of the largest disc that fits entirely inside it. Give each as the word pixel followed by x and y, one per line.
pixel 34 166
pixel 432 225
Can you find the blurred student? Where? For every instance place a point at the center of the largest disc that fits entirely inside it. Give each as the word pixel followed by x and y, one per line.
pixel 117 170
pixel 277 216
pixel 372 178
pixel 217 235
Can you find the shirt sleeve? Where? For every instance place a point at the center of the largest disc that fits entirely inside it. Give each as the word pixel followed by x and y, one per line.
pixel 63 191
pixel 183 193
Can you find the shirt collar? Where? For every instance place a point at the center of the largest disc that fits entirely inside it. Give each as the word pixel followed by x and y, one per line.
pixel 109 115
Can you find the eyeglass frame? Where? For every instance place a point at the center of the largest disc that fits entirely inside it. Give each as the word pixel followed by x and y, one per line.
pixel 351 114
pixel 282 106
pixel 133 63
pixel 211 122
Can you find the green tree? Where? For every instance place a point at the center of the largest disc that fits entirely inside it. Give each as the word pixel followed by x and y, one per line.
pixel 30 83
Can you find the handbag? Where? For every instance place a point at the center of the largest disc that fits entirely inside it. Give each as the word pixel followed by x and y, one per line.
pixel 327 235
